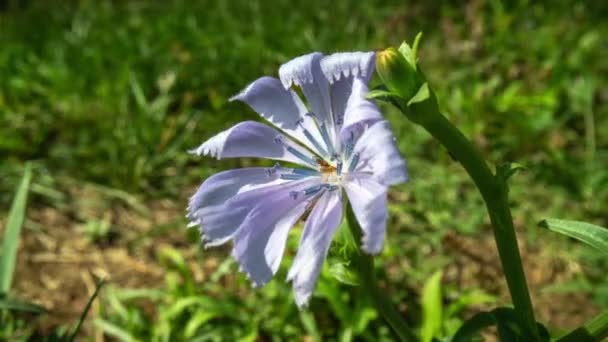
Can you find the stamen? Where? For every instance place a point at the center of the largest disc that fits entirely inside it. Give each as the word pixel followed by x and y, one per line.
pixel 310 138
pixel 340 120
pixel 271 171
pixel 280 140
pixel 324 132
pixel 326 139
pixel 291 176
pixel 305 172
pixel 353 162
pixel 339 168
pixel 312 190
pixel 350 145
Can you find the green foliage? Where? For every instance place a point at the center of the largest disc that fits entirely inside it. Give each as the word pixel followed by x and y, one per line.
pixel 10 242
pixel 588 233
pixel 432 308
pixel 506 324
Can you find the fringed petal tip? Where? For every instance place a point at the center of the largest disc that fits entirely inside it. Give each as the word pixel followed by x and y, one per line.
pixel 301 294
pixel 299 70
pixel 212 147
pixel 248 275
pixel 347 64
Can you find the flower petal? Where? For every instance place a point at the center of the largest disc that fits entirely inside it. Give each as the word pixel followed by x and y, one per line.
pixel 207 207
pixel 378 150
pixel 340 69
pixel 314 245
pixel 305 72
pixel 252 139
pixel 368 199
pixel 260 241
pixel 359 110
pixel 281 107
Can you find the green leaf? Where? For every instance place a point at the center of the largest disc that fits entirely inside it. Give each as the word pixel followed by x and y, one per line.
pixel 197 320
pixel 431 308
pixel 467 299
pixel 506 170
pixel 473 326
pixel 341 272
pixel 310 325
pixel 172 259
pixel 506 323
pixel 363 316
pixel 588 233
pixel 13 230
pixel 18 305
pixel 114 331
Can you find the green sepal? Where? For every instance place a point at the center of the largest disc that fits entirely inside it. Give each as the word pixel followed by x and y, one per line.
pixel 422 94
pixel 410 53
pixel 380 94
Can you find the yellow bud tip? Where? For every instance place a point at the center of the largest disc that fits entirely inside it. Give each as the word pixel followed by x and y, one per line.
pixel 386 54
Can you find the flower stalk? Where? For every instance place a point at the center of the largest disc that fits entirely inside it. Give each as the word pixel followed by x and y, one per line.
pixel 421 108
pixel 364 264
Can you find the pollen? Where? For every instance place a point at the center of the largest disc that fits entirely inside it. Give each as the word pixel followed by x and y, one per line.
pixel 325 167
pixel 329 173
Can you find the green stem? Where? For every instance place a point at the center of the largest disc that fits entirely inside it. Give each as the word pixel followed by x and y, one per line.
pixel 594 331
pixel 364 264
pixel 494 193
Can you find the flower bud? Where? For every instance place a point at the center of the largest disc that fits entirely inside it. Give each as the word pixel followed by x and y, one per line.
pixel 399 76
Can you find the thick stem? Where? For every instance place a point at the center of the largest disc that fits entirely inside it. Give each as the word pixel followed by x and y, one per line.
pixel 364 264
pixel 494 193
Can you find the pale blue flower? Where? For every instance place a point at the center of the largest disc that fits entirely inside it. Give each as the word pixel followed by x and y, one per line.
pixel 341 143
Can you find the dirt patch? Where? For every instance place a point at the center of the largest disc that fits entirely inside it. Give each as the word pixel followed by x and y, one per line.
pixel 59 262
pixel 476 264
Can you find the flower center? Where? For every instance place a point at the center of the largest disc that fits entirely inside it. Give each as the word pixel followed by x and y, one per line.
pixel 331 175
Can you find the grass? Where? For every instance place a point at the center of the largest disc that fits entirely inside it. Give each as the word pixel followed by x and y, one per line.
pixel 104 98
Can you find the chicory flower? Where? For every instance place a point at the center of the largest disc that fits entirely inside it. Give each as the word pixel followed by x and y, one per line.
pixel 341 145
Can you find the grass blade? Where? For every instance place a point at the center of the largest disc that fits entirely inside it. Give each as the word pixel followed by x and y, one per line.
pixel 432 308
pixel 17 305
pixel 114 331
pixel 12 232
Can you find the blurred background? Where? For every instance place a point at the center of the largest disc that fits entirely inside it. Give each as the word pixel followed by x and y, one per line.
pixel 104 98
